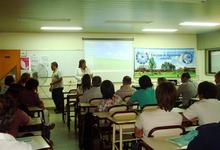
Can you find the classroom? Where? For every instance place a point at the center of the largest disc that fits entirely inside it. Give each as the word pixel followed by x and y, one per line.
pixel 109 74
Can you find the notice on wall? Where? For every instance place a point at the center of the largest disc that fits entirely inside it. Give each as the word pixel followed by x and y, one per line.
pixel 164 62
pixel 25 63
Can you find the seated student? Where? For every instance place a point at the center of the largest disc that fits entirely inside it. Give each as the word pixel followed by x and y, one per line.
pixel 24 78
pixel 7 141
pixel 94 92
pixel 207 109
pixel 146 95
pixel 160 80
pixel 109 96
pixel 126 89
pixel 11 117
pixel 85 84
pixel 207 138
pixel 217 81
pixel 166 96
pixel 8 81
pixel 187 89
pixel 30 98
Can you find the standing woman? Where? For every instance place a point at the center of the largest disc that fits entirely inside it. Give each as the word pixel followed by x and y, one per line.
pixel 82 70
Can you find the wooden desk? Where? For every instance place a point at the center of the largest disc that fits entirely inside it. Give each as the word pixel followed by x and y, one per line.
pixel 159 143
pixel 36 125
pixel 119 124
pixel 37 142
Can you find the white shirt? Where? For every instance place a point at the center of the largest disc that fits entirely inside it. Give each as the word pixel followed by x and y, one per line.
pixel 80 73
pixel 55 76
pixel 94 92
pixel 156 118
pixel 125 90
pixel 207 111
pixel 8 142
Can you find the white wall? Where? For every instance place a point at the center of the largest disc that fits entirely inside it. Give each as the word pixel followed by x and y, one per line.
pixel 73 41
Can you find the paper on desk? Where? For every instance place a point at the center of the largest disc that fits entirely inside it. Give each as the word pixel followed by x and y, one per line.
pixel 184 140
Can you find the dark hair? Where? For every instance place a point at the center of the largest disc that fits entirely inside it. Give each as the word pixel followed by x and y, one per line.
pixel 31 84
pixel 81 62
pixel 166 95
pixel 55 64
pixel 217 74
pixel 185 75
pixel 96 81
pixel 9 80
pixel 126 80
pixel 107 89
pixel 24 77
pixel 161 79
pixel 207 90
pixel 86 82
pixel 145 82
pixel 7 112
pixel 14 90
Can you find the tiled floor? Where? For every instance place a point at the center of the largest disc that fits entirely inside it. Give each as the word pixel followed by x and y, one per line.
pixel 61 137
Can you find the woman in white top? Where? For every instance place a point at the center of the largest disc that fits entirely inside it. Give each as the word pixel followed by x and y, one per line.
pixel 162 116
pixel 82 70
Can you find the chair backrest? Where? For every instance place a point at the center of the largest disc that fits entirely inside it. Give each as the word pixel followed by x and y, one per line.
pixel 117 108
pixel 149 107
pixel 96 101
pixel 127 98
pixel 124 115
pixel 172 130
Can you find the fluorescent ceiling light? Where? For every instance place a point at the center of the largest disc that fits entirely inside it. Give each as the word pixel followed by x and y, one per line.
pixel 205 24
pixel 61 28
pixel 159 30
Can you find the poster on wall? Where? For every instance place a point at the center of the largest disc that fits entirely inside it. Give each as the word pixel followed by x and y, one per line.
pixel 164 62
pixel 25 63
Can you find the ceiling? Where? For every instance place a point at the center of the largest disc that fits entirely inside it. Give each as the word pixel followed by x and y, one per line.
pixel 124 16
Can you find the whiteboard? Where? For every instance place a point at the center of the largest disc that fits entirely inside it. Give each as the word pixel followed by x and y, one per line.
pixel 67 59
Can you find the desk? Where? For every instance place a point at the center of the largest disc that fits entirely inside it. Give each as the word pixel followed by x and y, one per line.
pixel 159 143
pixel 37 142
pixel 120 125
pixel 36 125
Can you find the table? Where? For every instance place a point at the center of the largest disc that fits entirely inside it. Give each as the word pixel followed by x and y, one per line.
pixel 159 143
pixel 36 125
pixel 37 142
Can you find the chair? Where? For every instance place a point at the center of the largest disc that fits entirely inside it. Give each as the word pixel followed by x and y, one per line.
pixel 72 91
pixel 126 127
pixel 71 101
pixel 38 111
pixel 127 98
pixel 166 130
pixel 149 107
pixel 96 101
pixel 117 108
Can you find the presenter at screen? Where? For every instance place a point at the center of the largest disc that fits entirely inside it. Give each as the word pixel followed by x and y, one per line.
pixel 82 70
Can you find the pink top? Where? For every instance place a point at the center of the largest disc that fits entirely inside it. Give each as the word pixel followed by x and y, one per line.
pixel 20 119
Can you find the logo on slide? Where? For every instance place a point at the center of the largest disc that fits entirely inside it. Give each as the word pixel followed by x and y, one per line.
pixel 187 58
pixel 142 57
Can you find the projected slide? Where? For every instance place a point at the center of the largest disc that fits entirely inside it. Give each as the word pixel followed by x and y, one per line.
pixel 114 57
pixel 164 62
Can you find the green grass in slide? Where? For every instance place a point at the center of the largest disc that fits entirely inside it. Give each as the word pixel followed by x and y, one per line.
pixel 173 74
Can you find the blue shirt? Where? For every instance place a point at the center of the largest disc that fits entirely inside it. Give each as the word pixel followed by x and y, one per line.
pixel 144 96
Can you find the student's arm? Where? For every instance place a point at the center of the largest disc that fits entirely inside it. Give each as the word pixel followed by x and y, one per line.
pixel 24 118
pixel 190 113
pixel 138 132
pixel 134 97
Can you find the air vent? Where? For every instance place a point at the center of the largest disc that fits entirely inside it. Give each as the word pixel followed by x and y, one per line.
pixel 44 19
pixel 128 22
pixel 185 1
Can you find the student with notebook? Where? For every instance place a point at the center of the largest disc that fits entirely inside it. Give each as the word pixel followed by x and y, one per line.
pixel 207 110
pixel 162 116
